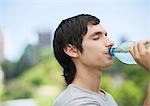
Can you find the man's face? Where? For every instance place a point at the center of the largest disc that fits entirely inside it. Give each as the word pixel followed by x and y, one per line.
pixel 96 46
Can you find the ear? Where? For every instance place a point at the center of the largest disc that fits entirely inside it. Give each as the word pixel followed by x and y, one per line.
pixel 71 51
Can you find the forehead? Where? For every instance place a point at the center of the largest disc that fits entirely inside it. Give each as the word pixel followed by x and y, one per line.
pixel 95 28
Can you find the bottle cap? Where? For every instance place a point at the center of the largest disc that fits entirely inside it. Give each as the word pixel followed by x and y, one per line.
pixel 111 51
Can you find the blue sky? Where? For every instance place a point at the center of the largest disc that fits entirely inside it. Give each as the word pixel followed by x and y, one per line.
pixel 20 19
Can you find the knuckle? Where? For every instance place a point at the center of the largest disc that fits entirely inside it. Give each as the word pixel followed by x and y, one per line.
pixel 137 58
pixel 144 53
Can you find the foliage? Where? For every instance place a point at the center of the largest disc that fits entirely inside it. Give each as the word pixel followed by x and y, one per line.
pixel 9 68
pixel 47 72
pixel 1 91
pixel 15 90
pixel 46 95
pixel 129 94
pixel 31 57
pixel 126 93
pixel 127 83
pixel 43 80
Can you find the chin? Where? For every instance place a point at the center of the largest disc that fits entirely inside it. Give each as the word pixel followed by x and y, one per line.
pixel 108 65
pixel 106 68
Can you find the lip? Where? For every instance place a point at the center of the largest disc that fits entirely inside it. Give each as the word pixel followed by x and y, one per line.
pixel 108 55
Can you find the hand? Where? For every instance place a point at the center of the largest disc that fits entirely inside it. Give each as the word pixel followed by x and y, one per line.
pixel 141 54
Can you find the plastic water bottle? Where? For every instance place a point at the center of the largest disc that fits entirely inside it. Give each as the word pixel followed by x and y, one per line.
pixel 122 52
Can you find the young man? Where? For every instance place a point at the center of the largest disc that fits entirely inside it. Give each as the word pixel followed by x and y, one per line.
pixel 81 46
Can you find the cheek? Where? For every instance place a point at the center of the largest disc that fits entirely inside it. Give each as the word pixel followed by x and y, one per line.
pixel 92 56
pixel 94 51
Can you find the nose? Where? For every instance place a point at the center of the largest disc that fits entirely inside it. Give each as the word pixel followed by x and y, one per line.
pixel 110 43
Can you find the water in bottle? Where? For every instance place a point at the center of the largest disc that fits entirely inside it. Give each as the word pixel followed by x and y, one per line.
pixel 122 52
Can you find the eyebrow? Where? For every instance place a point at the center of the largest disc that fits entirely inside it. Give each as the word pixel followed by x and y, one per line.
pixel 96 33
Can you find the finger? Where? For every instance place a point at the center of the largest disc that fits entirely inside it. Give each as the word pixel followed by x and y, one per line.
pixel 136 51
pixel 147 44
pixel 141 48
pixel 148 49
pixel 132 51
pixel 147 41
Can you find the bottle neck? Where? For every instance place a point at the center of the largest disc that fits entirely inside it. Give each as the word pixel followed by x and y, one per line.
pixel 112 51
pixel 119 50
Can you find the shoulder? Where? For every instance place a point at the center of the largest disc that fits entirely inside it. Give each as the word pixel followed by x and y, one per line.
pixel 77 101
pixel 75 97
pixel 110 99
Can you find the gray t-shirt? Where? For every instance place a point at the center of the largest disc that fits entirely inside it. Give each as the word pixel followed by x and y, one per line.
pixel 77 96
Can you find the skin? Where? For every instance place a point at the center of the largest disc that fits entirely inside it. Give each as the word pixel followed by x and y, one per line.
pixel 94 59
pixel 141 54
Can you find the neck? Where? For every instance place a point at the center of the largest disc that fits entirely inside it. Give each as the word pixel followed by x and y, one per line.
pixel 89 79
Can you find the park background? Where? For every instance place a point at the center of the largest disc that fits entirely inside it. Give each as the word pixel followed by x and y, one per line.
pixel 29 70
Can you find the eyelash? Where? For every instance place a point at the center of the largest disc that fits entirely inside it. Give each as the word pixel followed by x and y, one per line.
pixel 96 38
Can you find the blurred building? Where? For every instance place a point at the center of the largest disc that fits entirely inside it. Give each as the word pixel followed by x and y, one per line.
pixel 1 77
pixel 1 46
pixel 44 39
pixel 1 58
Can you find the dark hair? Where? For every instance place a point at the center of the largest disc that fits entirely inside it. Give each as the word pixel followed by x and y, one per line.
pixel 71 31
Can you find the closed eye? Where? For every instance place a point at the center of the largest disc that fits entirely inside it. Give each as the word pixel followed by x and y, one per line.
pixel 96 37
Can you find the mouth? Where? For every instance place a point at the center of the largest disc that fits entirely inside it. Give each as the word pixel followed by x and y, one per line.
pixel 108 55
